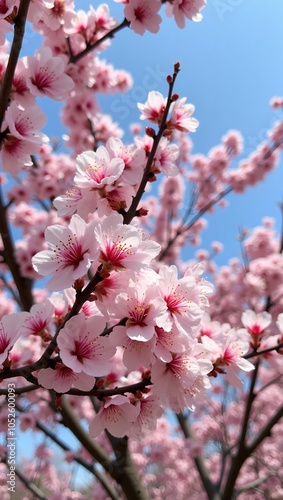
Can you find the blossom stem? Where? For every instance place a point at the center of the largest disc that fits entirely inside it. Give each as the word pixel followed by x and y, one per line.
pixel 75 58
pixel 130 214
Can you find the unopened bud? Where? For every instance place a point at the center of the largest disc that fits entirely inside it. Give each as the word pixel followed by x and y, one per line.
pixel 141 212
pixel 175 97
pixel 79 284
pixel 169 79
pixel 150 131
pixel 177 67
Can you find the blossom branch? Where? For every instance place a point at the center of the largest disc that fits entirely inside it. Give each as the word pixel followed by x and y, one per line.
pixel 88 466
pixel 265 431
pixel 209 486
pixel 75 58
pixel 23 284
pixel 130 214
pixel 125 476
pixel 243 451
pixel 264 351
pixel 37 493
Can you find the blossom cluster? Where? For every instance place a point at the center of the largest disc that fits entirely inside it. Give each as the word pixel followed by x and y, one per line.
pixel 119 321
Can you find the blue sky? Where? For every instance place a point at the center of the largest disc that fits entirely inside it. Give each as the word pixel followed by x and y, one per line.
pixel 232 64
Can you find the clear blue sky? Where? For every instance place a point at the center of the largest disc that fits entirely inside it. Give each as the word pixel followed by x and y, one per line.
pixel 232 64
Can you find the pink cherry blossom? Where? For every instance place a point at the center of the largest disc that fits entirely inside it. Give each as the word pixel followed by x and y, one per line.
pixel 95 169
pixel 24 123
pixel 143 16
pixel 116 415
pixel 135 353
pixel 150 410
pixel 122 246
pixel 81 347
pixel 166 157
pixel 39 320
pixel 181 117
pixel 45 75
pixel 71 251
pixel 134 159
pixel 182 379
pixel 63 378
pixel 143 308
pixel 183 312
pixel 228 353
pixel 256 324
pixel 154 107
pixel 10 331
pixel 182 9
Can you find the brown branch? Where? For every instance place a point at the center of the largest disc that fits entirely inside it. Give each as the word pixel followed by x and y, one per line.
pixel 265 431
pixel 37 493
pixel 243 451
pixel 73 59
pixel 125 475
pixel 252 354
pixel 130 214
pixel 23 284
pixel 88 466
pixel 209 486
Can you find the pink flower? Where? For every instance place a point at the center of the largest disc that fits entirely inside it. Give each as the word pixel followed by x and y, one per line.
pixel 181 117
pixel 228 352
pixel 181 297
pixel 39 319
pixel 10 331
pixel 182 9
pixel 122 247
pixel 143 308
pixel 24 123
pixel 166 157
pixel 81 347
pixel 72 250
pixel 136 353
pixel 182 379
pixel 116 415
pixel 45 75
pixel 256 324
pixel 134 159
pixel 154 107
pixel 62 379
pixel 143 16
pixel 150 410
pixel 95 169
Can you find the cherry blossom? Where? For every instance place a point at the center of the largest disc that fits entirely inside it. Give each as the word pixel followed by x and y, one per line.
pixel 62 378
pixel 154 107
pixel 182 9
pixel 71 251
pixel 143 15
pixel 143 310
pixel 95 169
pixel 81 347
pixel 122 247
pixel 10 331
pixel 181 116
pixel 116 415
pixel 45 75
